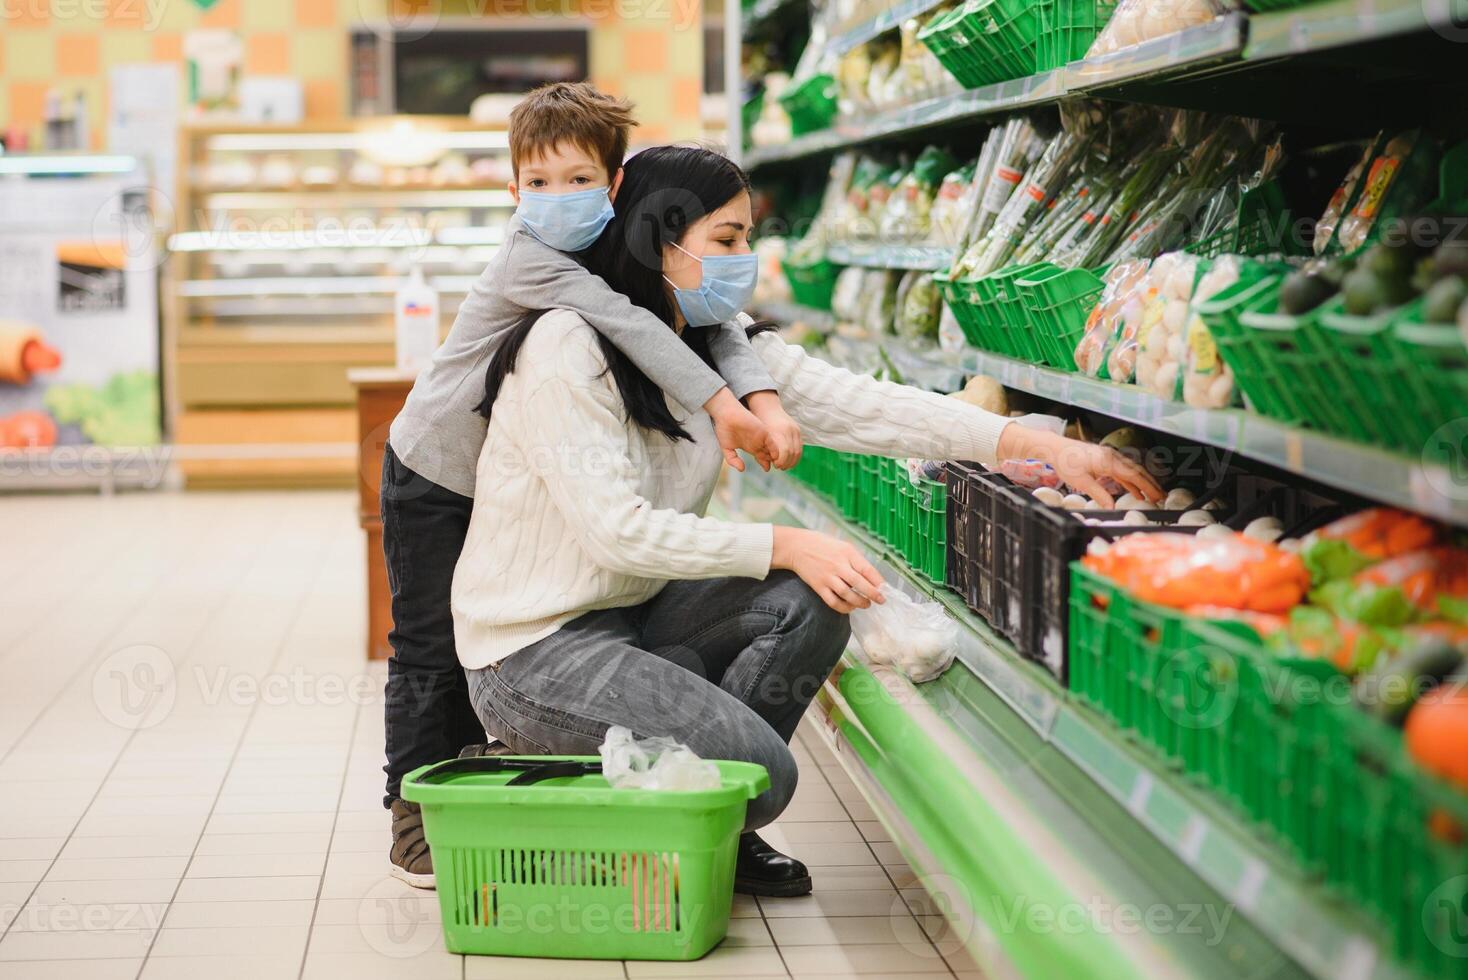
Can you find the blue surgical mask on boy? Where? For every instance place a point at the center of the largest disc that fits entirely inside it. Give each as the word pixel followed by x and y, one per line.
pixel 565 222
pixel 726 288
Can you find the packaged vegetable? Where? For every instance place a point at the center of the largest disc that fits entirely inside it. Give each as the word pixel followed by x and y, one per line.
pixel 1161 340
pixel 949 214
pixel 1104 321
pixel 1207 381
pixel 1344 547
pixel 1402 178
pixel 1179 570
pixel 919 310
pixel 1342 199
pixel 1135 21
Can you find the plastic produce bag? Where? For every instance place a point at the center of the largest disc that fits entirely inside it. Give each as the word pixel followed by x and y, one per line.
pixel 629 762
pixel 1207 381
pixel 1136 21
pixel 1106 317
pixel 914 637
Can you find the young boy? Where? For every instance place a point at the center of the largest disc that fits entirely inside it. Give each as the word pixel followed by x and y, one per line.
pixel 567 142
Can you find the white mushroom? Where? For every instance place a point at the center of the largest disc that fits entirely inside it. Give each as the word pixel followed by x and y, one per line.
pixel 1049 496
pixel 1196 518
pixel 1074 501
pixel 1264 529
pixel 1212 532
pixel 1179 498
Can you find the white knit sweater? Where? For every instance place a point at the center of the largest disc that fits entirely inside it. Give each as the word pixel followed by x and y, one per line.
pixel 577 508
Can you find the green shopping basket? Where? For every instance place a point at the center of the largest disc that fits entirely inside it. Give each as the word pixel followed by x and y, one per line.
pixel 541 856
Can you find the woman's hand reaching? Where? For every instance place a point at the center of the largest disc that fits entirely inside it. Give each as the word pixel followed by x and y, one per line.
pixel 1081 465
pixel 835 571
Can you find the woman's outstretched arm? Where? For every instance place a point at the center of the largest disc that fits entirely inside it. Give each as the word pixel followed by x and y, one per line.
pixel 857 413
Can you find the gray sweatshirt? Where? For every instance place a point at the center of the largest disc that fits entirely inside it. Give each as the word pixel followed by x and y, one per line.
pixel 438 434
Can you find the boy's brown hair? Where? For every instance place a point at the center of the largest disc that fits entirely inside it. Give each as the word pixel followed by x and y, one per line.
pixel 573 112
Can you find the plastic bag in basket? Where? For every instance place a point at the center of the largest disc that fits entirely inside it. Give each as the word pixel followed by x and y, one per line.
pixel 914 637
pixel 629 762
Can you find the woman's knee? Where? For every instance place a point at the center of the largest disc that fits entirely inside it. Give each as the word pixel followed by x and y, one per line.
pixel 821 630
pixel 780 763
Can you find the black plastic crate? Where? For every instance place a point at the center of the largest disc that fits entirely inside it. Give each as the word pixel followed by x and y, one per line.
pixel 969 520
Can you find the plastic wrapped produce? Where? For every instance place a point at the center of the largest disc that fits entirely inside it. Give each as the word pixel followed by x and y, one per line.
pixel 1162 343
pixel 951 207
pixel 1341 200
pixel 846 299
pixel 879 300
pixel 1136 21
pixel 919 309
pixel 917 638
pixel 908 212
pixel 1207 381
pixel 1105 319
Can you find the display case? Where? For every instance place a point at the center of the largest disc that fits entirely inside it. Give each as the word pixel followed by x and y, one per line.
pixel 290 245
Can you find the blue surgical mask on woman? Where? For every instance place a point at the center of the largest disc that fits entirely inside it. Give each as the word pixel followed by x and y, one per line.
pixel 565 222
pixel 725 289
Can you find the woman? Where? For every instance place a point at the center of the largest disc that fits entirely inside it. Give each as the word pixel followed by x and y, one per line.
pixel 591 592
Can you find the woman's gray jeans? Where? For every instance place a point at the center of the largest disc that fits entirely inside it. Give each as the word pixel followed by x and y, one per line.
pixel 725 666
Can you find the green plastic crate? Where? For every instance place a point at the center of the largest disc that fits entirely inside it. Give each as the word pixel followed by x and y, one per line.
pixel 1068 29
pixel 812 285
pixel 1436 375
pixel 925 530
pixel 1010 314
pixel 1292 365
pixel 1059 301
pixel 811 104
pixel 570 867
pixel 1222 314
pixel 1375 400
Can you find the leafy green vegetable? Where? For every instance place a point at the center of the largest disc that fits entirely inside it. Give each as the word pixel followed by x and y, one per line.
pixel 1330 559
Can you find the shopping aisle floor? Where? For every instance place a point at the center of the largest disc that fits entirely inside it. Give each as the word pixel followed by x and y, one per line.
pixel 190 770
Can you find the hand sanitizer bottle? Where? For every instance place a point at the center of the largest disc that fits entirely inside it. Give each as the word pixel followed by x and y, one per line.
pixel 416 311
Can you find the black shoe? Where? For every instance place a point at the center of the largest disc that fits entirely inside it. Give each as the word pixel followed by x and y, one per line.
pixel 409 859
pixel 484 748
pixel 762 870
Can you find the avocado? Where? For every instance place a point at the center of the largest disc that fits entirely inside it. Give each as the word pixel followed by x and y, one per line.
pixel 1451 258
pixel 1389 261
pixel 1389 689
pixel 1303 291
pixel 1364 292
pixel 1440 303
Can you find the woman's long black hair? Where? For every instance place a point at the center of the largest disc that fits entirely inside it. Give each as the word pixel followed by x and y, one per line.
pixel 664 190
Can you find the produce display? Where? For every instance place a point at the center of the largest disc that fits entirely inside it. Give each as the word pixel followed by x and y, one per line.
pixel 1274 637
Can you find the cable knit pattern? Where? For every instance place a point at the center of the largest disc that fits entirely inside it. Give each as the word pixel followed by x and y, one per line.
pixel 577 508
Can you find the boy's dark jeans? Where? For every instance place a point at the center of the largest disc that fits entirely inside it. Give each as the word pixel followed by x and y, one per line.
pixel 428 715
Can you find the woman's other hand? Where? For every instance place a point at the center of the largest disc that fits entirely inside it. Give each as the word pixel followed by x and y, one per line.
pixel 1081 465
pixel 785 440
pixel 835 571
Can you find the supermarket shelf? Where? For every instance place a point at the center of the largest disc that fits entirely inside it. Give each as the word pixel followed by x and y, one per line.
pixel 787 313
pixel 1365 471
pixel 1297 916
pixel 878 256
pixel 1220 39
pixel 323 286
pixel 349 197
pixel 863 31
pixel 1019 93
pixel 1341 23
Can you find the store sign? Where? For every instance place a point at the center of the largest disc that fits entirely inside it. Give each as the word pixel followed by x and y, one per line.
pixel 79 348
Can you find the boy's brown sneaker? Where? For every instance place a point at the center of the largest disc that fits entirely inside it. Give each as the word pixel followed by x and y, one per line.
pixel 410 860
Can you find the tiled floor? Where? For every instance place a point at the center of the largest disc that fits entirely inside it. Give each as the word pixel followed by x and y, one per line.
pixel 190 770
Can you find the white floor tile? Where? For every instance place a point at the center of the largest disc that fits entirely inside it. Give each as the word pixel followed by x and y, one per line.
pixel 848 930
pixel 95 969
pixel 724 961
pixel 266 966
pixel 75 944
pixel 140 846
pixel 263 843
pixel 198 915
pixel 230 941
pixel 525 968
pixel 30 848
pixel 834 903
pixel 256 865
pixel 848 960
pixel 247 889
pixel 432 965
